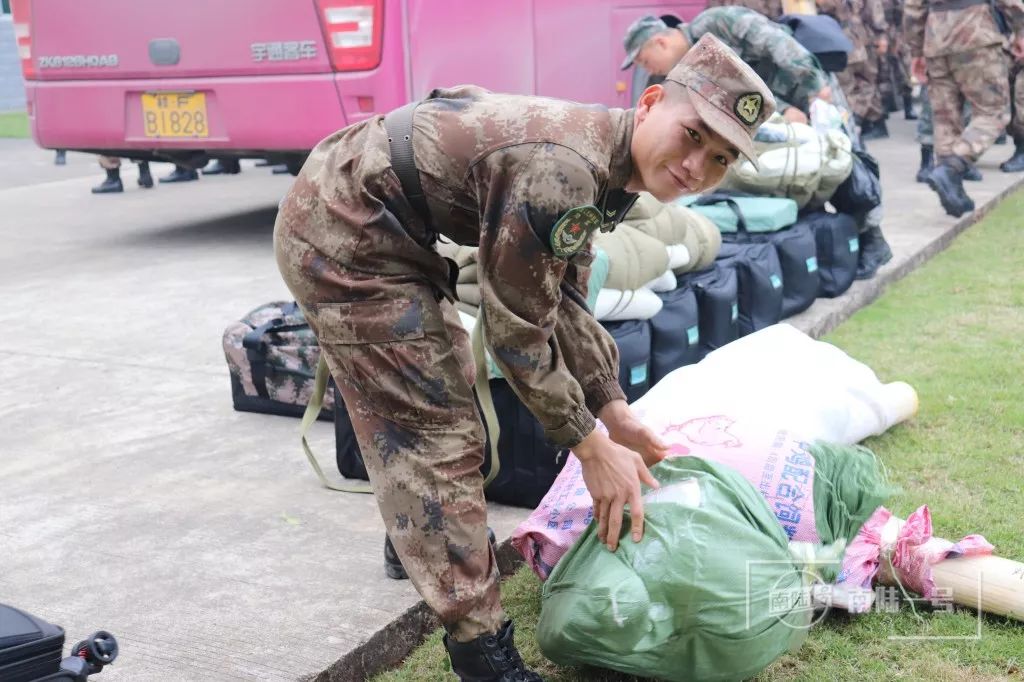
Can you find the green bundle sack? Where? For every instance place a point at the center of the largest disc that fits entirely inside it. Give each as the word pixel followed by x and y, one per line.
pixel 712 592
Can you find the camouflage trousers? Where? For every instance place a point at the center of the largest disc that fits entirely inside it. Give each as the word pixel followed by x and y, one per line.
pixel 860 83
pixel 1016 127
pixel 893 81
pixel 403 364
pixel 981 78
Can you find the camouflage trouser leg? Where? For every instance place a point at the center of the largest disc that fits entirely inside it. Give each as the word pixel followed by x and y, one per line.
pixel 860 83
pixel 110 162
pixel 1016 127
pixel 886 83
pixel 980 77
pixel 403 364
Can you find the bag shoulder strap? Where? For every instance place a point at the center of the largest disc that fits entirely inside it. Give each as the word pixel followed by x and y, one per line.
pixel 316 402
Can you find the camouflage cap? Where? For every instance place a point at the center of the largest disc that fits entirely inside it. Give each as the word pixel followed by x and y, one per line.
pixel 638 33
pixel 729 96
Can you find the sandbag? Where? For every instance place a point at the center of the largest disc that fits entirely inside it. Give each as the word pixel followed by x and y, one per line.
pixel 675 333
pixel 692 600
pixel 819 492
pixel 634 258
pixel 759 284
pixel 717 305
pixel 838 248
pixel 633 339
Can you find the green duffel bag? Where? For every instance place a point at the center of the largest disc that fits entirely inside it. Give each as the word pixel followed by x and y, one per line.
pixel 712 592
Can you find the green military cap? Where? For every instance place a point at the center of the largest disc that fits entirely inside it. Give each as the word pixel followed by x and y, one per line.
pixel 639 32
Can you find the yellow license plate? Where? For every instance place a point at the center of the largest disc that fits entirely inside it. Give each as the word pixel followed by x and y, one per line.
pixel 175 114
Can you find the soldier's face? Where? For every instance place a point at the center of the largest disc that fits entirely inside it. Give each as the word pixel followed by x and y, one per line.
pixel 657 56
pixel 674 152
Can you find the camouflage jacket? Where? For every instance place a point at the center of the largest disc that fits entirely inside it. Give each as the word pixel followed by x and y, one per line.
pixel 770 8
pixel 500 172
pixel 863 22
pixel 894 22
pixel 790 71
pixel 935 34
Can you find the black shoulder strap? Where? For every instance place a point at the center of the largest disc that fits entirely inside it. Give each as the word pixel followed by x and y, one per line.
pixel 398 125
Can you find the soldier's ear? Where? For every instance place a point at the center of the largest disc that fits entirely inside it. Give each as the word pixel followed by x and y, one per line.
pixel 650 97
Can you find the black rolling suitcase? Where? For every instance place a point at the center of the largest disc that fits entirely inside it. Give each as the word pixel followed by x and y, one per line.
pixel 30 648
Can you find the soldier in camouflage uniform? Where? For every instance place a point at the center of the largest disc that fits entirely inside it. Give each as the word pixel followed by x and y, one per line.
pixel 529 180
pixel 1015 163
pixel 958 50
pixel 863 21
pixel 894 69
pixel 770 8
pixel 785 65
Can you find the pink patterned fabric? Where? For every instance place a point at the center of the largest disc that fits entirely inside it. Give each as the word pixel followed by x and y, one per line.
pixel 775 462
pixel 914 551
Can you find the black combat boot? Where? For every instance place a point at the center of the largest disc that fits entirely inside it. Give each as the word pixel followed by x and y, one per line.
pixel 947 180
pixel 393 565
pixel 908 108
pixel 973 174
pixel 112 184
pixel 145 177
pixel 223 167
pixel 926 163
pixel 181 175
pixel 1015 163
pixel 874 130
pixel 489 658
pixel 874 252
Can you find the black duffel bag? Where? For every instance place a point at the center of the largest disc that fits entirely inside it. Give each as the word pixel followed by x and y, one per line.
pixel 838 249
pixel 795 247
pixel 529 464
pixel 717 305
pixel 862 190
pixel 759 284
pixel 633 338
pixel 675 333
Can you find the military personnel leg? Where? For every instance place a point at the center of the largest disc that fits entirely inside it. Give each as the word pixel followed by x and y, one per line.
pixel 1015 163
pixel 112 183
pixel 874 113
pixel 925 137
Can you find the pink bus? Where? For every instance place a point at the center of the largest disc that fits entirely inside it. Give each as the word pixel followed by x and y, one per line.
pixel 189 79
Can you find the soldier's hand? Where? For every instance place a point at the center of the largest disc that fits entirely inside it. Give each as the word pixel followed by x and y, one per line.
pixel 626 430
pixel 794 115
pixel 1017 47
pixel 919 69
pixel 613 475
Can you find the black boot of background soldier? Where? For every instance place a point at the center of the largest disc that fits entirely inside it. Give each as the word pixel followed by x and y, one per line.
pixel 874 130
pixel 393 567
pixel 181 174
pixel 1015 163
pixel 927 152
pixel 947 180
pixel 908 108
pixel 112 184
pixel 489 658
pixel 145 177
pixel 874 252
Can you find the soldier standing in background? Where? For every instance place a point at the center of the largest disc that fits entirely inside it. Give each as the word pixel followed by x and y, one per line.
pixel 894 69
pixel 863 21
pixel 770 8
pixel 791 72
pixel 958 49
pixel 1015 163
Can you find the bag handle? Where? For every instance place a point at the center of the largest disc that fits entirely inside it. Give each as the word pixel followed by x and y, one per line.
pixel 722 198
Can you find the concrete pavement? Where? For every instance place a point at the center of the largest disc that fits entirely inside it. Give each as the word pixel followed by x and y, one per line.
pixel 136 500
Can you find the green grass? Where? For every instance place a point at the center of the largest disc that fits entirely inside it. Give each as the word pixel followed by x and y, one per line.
pixel 14 124
pixel 955 331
